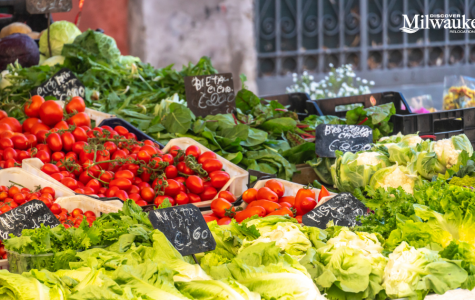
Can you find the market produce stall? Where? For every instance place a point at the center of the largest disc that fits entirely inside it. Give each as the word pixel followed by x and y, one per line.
pixel 117 184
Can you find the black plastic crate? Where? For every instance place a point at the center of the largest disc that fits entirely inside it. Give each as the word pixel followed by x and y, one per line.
pixel 296 101
pixel 442 124
pixel 327 107
pixel 113 122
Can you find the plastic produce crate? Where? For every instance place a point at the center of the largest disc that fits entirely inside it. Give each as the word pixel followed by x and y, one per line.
pixel 442 124
pixel 34 165
pixel 87 203
pixel 95 115
pixel 296 101
pixel 239 177
pixel 327 107
pixel 31 180
pixel 112 122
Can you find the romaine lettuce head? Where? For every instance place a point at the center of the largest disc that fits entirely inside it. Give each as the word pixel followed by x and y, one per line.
pixel 15 286
pixel 61 32
pixel 413 273
pixel 394 176
pixel 354 170
pixel 216 289
pixel 448 150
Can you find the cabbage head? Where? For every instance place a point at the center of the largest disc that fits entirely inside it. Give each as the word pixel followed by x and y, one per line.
pixel 93 43
pixel 61 32
pixel 354 170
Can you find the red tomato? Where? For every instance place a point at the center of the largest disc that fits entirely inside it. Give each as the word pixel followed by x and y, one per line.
pixel 219 178
pixel 12 122
pixel 323 193
pixel 61 125
pixel 32 140
pixel 286 204
pixel 6 143
pixel 13 191
pixel 287 199
pixel 32 109
pixel 144 156
pixel 77 212
pixel 57 176
pixel 227 196
pixel 269 206
pixel 173 188
pixel 221 207
pixel 110 146
pixel 3 114
pixel 54 142
pixel 55 208
pixel 48 190
pixel 159 200
pixel 206 155
pixel 49 168
pixel 193 150
pixel 80 119
pixel 182 198
pixel 19 198
pixel 39 127
pixel 5 127
pixel 124 174
pixel 174 150
pixel 249 212
pixel 106 176
pixel 151 150
pixel 119 154
pixel 180 179
pixel 29 123
pixel 68 141
pixel 265 193
pixel 5 208
pixel 208 193
pixel 224 221
pixel 10 153
pixel 51 112
pixel 211 165
pixel 300 197
pixel 134 189
pixel 70 183
pixel 147 194
pixel 299 218
pixel 194 184
pixel 75 105
pixel 210 218
pixel 43 156
pixel 283 211
pixel 171 172
pixel 78 147
pixel 183 168
pixel 307 204
pixel 88 190
pixel 121 130
pixel 276 186
pixel 194 198
pixel 121 183
pixel 95 185
pixel 131 136
pixel 57 156
pixel 80 134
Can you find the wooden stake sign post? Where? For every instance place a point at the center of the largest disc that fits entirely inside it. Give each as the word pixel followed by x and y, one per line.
pixel 38 7
pixel 210 94
pixel 185 227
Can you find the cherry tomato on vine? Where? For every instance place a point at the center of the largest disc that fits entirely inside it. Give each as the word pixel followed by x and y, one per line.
pixel 193 150
pixel 195 184
pixel 75 105
pixel 206 155
pixel 32 108
pixel 173 188
pixel 219 179
pixel 211 165
pixel 80 119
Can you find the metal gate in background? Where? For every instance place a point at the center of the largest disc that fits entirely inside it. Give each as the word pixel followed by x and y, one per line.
pixel 307 35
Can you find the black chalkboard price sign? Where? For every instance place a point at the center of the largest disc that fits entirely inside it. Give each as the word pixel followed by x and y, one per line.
pixel 346 138
pixel 61 85
pixel 210 94
pixel 27 216
pixel 185 227
pixel 341 209
pixel 48 6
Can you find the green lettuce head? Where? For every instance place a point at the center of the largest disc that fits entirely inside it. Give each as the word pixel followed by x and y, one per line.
pixel 354 170
pixel 448 150
pixel 403 150
pixel 413 273
pixel 394 176
pixel 61 32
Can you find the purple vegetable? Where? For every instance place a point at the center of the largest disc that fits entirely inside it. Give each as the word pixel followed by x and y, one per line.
pixel 18 46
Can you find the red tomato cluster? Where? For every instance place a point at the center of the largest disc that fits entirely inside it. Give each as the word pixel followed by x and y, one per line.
pixel 266 201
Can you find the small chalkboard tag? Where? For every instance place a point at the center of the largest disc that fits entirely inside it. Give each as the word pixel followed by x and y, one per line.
pixel 48 6
pixel 341 209
pixel 346 138
pixel 185 227
pixel 27 216
pixel 61 85
pixel 210 94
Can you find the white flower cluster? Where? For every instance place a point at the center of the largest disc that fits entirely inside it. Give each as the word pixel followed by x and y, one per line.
pixel 338 83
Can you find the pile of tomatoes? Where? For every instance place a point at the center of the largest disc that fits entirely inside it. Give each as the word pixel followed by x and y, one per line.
pixel 105 161
pixel 15 195
pixel 266 201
